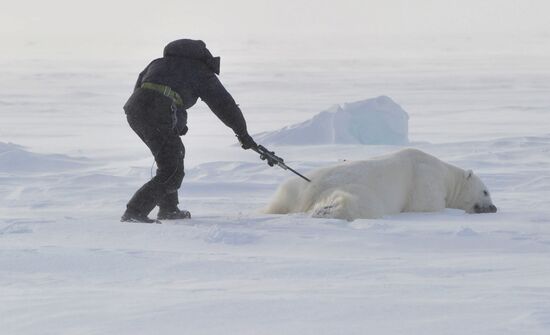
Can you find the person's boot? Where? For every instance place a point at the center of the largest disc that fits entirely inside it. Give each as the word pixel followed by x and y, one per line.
pixel 133 216
pixel 173 214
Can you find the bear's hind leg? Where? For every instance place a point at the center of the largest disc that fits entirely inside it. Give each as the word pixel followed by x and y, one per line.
pixel 338 205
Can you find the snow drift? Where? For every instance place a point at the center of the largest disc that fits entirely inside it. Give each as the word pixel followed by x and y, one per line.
pixel 14 159
pixel 373 121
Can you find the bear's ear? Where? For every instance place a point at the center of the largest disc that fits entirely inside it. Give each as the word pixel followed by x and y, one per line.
pixel 468 174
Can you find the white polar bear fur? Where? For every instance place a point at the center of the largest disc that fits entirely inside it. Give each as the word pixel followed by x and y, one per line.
pixel 405 181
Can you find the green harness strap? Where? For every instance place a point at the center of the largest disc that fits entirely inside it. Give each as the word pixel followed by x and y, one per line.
pixel 166 91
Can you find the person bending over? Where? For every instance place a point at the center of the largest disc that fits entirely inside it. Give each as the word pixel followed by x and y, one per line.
pixel 156 111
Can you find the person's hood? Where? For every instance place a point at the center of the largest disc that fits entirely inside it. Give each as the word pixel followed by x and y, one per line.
pixel 192 49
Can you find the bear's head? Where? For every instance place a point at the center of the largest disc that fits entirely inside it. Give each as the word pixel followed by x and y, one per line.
pixel 474 196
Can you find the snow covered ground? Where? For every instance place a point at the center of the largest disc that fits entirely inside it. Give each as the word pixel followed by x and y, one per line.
pixel 69 163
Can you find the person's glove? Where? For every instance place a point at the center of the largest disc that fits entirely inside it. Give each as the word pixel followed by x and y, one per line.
pixel 183 130
pixel 246 141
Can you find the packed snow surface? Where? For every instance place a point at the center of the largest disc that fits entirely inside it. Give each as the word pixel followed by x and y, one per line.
pixel 69 163
pixel 67 266
pixel 373 121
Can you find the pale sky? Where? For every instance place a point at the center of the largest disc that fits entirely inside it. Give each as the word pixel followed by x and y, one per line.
pixel 71 23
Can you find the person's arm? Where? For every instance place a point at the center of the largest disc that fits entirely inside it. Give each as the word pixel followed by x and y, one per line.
pixel 222 104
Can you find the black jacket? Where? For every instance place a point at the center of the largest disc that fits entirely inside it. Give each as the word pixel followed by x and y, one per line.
pixel 189 69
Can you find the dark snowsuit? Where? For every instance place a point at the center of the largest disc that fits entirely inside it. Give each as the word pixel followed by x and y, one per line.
pixel 189 69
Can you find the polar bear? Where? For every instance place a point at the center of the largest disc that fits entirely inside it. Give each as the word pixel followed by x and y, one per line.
pixel 408 180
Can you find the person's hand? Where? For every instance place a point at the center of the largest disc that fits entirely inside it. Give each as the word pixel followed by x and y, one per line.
pixel 246 141
pixel 183 130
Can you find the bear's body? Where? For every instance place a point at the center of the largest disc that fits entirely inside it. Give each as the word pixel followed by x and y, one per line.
pixel 405 181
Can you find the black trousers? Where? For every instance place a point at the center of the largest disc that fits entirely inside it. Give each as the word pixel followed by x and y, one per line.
pixel 155 128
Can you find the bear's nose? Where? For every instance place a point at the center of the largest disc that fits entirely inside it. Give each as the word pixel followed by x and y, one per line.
pixel 485 209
